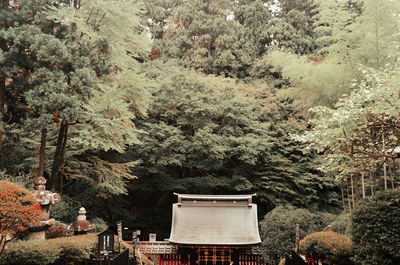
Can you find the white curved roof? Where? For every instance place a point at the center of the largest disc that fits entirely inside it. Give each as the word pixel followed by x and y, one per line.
pixel 214 220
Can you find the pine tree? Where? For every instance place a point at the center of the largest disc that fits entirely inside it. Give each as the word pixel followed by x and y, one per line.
pixel 106 123
pixel 292 28
pixel 254 37
pixel 68 67
pixel 202 40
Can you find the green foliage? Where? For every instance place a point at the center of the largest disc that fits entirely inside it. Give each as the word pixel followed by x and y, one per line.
pixel 342 224
pixel 292 29
pixel 290 172
pixel 202 136
pixel 21 178
pixel 358 32
pixel 66 210
pixel 278 230
pixel 100 21
pixel 101 225
pixel 330 247
pixel 253 36
pixel 66 250
pixel 200 127
pixel 101 179
pixel 202 40
pixel 375 227
pixel 354 130
pixel 311 80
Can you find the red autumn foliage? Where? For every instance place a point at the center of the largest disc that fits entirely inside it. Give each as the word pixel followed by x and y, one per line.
pixel 55 116
pixel 57 230
pixel 17 211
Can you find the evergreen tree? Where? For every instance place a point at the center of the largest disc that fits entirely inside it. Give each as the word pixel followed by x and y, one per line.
pixel 292 28
pixel 289 174
pixel 202 40
pixel 358 32
pixel 106 124
pixel 41 69
pixel 203 135
pixel 76 73
pixel 254 38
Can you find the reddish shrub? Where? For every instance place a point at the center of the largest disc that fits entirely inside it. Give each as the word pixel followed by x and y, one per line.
pixel 331 247
pixel 57 230
pixel 17 211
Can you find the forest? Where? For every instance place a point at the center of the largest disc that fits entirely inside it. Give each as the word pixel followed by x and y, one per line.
pixel 119 104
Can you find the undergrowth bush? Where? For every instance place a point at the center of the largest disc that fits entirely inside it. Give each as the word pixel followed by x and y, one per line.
pixel 278 230
pixel 342 224
pixel 58 229
pixel 330 247
pixel 65 250
pixel 74 250
pixel 375 229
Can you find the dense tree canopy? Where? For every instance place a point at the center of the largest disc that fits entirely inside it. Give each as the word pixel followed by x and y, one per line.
pixel 121 103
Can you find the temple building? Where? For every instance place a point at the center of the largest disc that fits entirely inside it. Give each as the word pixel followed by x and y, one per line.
pixel 209 230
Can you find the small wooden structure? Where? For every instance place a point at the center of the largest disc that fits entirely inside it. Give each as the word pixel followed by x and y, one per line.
pixel 209 230
pixel 106 243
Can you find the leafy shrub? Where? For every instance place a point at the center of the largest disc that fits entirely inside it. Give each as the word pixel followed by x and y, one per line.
pixel 17 211
pixel 342 224
pixel 278 230
pixel 101 225
pixel 34 252
pixel 65 250
pixel 375 229
pixel 330 247
pixel 20 178
pixel 58 229
pixel 77 250
pixel 66 210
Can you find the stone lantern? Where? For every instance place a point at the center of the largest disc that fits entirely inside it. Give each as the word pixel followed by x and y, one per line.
pixel 81 225
pixel 44 199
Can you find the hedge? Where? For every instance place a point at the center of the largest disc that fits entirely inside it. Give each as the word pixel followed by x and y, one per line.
pixel 64 250
pixel 72 250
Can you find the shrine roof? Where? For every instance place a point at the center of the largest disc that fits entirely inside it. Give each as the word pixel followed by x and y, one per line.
pixel 214 220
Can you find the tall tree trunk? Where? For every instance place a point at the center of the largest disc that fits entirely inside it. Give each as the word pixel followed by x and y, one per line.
pixel 348 199
pixel 363 185
pixel 42 152
pixel 58 162
pixel 391 175
pixel 373 185
pixel 343 200
pixel 3 46
pixel 352 191
pixel 384 159
pixel 61 176
pixel 377 37
pixel 2 99
pixel 356 181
